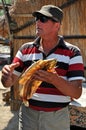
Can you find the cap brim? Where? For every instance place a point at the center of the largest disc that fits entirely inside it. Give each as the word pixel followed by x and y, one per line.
pixel 43 13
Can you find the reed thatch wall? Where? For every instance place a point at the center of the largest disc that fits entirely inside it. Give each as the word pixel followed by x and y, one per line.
pixel 74 23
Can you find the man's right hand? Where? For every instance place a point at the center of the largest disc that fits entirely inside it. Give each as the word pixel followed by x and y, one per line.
pixel 8 78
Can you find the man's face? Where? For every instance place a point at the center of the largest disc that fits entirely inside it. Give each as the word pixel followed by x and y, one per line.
pixel 44 26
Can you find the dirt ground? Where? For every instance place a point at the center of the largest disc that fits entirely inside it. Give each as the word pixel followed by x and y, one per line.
pixel 9 119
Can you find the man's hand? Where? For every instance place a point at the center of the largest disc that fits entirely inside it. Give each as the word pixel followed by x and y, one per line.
pixel 46 76
pixel 7 78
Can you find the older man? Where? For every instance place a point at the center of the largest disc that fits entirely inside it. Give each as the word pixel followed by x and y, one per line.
pixel 48 107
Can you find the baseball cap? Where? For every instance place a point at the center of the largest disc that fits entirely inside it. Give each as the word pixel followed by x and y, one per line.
pixel 50 11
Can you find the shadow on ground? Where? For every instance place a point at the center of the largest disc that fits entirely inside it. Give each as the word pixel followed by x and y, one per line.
pixel 12 123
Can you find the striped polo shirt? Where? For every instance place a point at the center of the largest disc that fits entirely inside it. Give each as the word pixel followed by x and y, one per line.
pixel 69 66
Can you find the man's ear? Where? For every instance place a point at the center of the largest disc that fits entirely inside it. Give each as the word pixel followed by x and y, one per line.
pixel 58 24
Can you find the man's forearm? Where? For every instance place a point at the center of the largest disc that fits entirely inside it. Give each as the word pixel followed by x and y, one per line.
pixel 72 89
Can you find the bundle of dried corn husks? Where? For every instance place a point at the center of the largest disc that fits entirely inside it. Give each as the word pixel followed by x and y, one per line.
pixel 28 86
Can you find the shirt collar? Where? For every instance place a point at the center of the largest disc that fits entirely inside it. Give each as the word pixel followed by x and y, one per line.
pixel 60 44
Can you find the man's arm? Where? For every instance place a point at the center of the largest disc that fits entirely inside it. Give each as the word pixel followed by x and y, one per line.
pixel 68 88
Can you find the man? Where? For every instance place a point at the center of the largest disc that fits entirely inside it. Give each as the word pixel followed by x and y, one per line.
pixel 48 108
